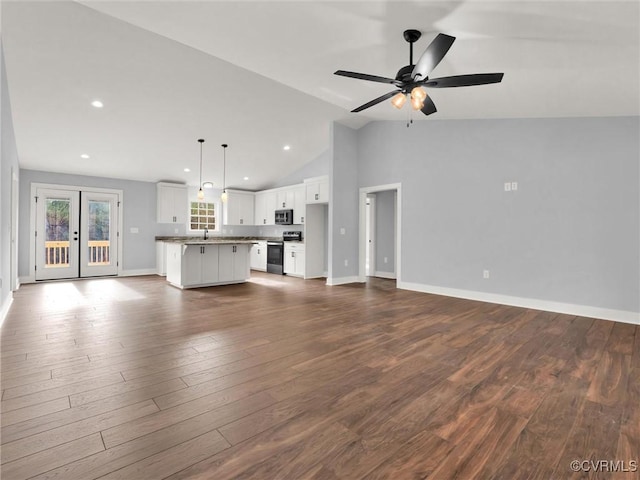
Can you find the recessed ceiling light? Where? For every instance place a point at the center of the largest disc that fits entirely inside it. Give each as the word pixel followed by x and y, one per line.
pixel 207 184
pixel 287 147
pixel 84 155
pixel 246 178
pixel 97 104
pixel 187 169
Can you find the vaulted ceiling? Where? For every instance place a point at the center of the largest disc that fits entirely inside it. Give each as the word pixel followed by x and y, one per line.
pixel 258 75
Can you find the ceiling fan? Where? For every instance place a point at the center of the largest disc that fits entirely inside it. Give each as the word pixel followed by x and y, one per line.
pixel 411 78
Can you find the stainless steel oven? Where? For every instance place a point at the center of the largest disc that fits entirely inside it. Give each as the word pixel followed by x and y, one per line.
pixel 275 257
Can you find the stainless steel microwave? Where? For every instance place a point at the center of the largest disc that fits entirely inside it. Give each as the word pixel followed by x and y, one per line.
pixel 284 217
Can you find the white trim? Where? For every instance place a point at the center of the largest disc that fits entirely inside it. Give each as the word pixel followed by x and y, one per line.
pixel 320 178
pixel 391 275
pixel 362 241
pixel 138 272
pixel 343 280
pixel 26 280
pixel 532 303
pixel 5 307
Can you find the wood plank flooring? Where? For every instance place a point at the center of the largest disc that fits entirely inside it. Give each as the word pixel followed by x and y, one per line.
pixel 282 378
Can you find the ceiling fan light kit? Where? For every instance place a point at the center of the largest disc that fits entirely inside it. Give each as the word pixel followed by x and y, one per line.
pixel 411 78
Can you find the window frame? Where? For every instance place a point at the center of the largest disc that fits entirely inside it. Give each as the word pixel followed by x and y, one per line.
pixel 216 216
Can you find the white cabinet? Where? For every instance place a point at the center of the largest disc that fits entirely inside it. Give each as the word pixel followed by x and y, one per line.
pixel 233 262
pixel 203 265
pixel 161 258
pixel 192 265
pixel 172 203
pixel 265 207
pixel 299 204
pixel 317 190
pixel 258 256
pixel 294 260
pixel 285 199
pixel 238 210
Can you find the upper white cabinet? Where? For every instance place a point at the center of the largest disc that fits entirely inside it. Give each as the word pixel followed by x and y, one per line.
pixel 285 198
pixel 172 203
pixel 238 210
pixel 299 204
pixel 317 190
pixel 265 207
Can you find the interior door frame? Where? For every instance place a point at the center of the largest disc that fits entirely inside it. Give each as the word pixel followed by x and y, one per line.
pixel 362 241
pixel 32 220
pixel 370 232
pixel 15 199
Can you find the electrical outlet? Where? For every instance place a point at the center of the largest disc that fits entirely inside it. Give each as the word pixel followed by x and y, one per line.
pixel 514 186
pixel 386 260
pixel 507 186
pixel 346 262
pixel 342 231
pixel 175 230
pixel 485 273
pixel 134 230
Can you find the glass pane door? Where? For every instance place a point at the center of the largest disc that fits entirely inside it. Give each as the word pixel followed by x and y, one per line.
pixel 98 234
pixel 57 214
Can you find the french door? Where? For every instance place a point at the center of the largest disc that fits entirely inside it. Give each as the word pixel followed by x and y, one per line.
pixel 76 233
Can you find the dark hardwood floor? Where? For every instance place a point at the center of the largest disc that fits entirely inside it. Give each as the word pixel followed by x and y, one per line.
pixel 282 378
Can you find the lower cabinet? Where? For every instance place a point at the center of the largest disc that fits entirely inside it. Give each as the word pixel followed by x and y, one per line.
pixel 233 263
pixel 294 259
pixel 161 258
pixel 203 265
pixel 258 256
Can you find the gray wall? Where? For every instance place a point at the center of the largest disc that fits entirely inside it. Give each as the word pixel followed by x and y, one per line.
pixel 343 207
pixel 569 234
pixel 8 164
pixel 385 218
pixel 139 210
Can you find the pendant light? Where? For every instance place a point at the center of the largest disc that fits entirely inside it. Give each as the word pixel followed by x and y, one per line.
pixel 224 196
pixel 201 192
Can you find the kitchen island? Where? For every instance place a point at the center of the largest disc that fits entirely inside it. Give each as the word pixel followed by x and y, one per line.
pixel 195 263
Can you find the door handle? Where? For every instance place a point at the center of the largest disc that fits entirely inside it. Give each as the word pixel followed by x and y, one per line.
pixel 317 196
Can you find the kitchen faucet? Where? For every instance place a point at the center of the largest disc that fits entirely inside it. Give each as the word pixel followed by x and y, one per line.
pixel 206 233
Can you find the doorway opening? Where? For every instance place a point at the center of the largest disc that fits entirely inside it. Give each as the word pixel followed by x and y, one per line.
pixel 380 232
pixel 75 232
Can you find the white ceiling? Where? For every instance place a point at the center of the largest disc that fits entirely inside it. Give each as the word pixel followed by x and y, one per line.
pixel 258 75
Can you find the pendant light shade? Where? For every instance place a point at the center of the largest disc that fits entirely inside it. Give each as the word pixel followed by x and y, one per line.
pixel 200 191
pixel 224 197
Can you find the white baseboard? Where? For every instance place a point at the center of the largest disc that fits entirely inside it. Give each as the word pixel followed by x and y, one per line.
pixel 123 273
pixel 139 272
pixel 5 307
pixel 343 280
pixel 623 316
pixel 391 275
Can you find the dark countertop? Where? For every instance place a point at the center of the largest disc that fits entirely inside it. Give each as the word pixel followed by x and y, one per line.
pixel 214 238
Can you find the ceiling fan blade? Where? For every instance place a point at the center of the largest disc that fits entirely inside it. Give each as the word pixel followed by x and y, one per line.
pixel 371 78
pixel 429 106
pixel 375 101
pixel 464 80
pixel 432 55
